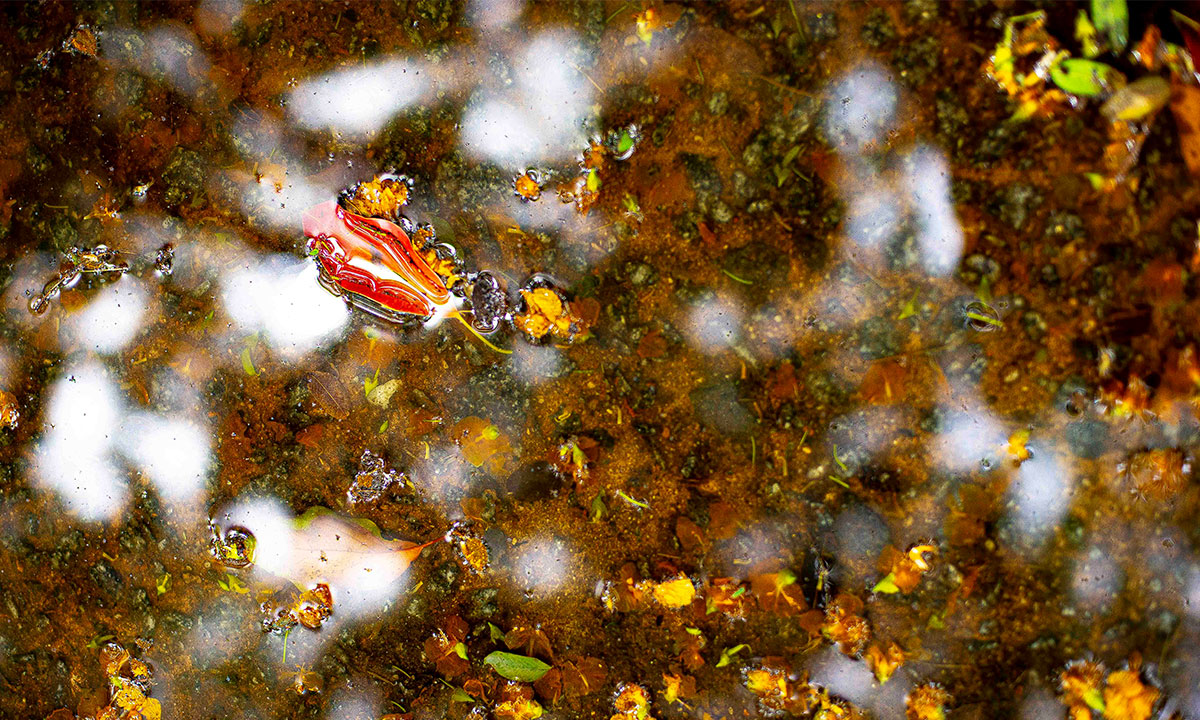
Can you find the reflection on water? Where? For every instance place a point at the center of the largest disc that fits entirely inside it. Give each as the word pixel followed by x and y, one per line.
pixel 837 389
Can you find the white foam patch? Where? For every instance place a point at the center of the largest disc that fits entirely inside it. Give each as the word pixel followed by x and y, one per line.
pixel 1096 581
pixel 534 364
pixel 542 566
pixel 537 119
pixel 938 231
pixel 74 458
pixel 863 106
pixel 1039 495
pixel 969 440
pixel 281 297
pixel 111 317
pixel 715 324
pixel 174 452
pixel 359 100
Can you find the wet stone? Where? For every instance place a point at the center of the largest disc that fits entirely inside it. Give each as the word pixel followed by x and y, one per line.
pixel 702 173
pixel 977 268
pixel 1016 203
pixel 878 337
pixel 183 177
pixel 878 29
pixel 821 26
pixel 917 60
pixel 718 103
pixel 107 579
pixel 640 274
pixel 481 604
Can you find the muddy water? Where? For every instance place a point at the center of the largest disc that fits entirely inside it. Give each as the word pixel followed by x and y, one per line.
pixel 872 404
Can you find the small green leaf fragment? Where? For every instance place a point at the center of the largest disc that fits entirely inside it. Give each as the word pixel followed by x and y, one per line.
pixel 163 584
pixel 1111 17
pixel 692 630
pixel 491 432
pixel 460 695
pixel 624 143
pixel 728 653
pixel 1085 33
pixel 1086 78
pixel 96 642
pixel 1094 699
pixel 735 278
pixel 460 650
pixel 495 633
pixel 593 180
pixel 516 667
pixel 887 585
pixel 248 363
pixel 599 509
pixel 636 503
pixel 910 307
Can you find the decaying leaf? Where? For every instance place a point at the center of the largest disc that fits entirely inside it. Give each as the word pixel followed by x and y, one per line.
pixel 677 686
pixel 1126 697
pixel 884 661
pixel 1185 106
pixel 926 702
pixel 445 648
pixel 903 571
pixel 330 395
pixel 844 626
pixel 632 702
pixel 778 592
pixel 544 313
pixel 529 638
pixel 382 197
pixel 675 593
pixel 482 444
pixel 514 701
pixel 341 552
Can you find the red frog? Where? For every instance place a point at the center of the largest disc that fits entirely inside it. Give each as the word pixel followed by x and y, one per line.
pixel 372 262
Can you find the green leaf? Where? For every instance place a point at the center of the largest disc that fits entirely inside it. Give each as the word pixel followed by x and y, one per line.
pixel 371 383
pixel 232 584
pixel 910 307
pixel 1094 699
pixel 599 509
pixel 1085 33
pixel 593 181
pixel 1141 98
pixel 1086 78
pixel 1112 18
pixel 887 585
pixel 516 667
pixel 460 695
pixel 629 499
pixel 728 653
pixel 624 143
pixel 495 633
pixel 96 642
pixel 1096 180
pixel 460 650
pixel 248 363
